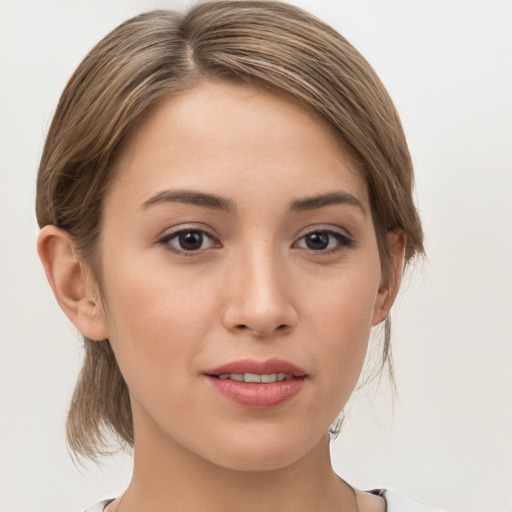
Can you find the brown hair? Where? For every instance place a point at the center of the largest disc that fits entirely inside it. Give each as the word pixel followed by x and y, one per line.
pixel 262 43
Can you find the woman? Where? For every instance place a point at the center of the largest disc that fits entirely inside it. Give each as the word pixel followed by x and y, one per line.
pixel 225 203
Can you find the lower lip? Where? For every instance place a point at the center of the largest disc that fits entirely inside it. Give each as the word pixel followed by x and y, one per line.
pixel 258 396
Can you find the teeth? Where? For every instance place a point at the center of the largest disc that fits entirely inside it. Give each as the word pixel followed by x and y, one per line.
pixel 253 377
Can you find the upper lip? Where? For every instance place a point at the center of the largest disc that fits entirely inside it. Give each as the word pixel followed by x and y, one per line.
pixel 267 367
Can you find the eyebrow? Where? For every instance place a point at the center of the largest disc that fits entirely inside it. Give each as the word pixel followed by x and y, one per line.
pixel 331 198
pixel 190 197
pixel 216 202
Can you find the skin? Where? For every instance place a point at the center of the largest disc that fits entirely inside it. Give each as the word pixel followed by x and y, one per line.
pixel 253 289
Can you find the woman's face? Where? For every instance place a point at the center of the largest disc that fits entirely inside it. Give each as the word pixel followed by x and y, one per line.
pixel 238 244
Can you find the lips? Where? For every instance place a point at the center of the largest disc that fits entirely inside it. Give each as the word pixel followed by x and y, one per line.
pixel 265 378
pixel 257 384
pixel 258 368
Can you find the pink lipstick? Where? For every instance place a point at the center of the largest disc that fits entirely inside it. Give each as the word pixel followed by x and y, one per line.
pixel 257 384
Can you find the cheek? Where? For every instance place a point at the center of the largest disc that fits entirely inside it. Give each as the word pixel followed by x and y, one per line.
pixel 155 316
pixel 341 320
pixel 344 301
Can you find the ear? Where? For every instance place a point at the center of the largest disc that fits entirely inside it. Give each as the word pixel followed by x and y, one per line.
pixel 71 282
pixel 397 240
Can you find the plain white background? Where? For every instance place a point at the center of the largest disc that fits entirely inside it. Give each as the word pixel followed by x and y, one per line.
pixel 447 440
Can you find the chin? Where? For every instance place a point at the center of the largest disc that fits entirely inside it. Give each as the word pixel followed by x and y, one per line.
pixel 260 453
pixel 254 462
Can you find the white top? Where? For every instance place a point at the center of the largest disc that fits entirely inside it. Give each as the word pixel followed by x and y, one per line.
pixel 396 502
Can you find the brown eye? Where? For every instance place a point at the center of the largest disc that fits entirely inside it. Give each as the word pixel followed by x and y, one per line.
pixel 188 241
pixel 317 241
pixel 325 241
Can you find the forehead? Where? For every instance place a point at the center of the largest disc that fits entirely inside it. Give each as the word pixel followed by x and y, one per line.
pixel 230 138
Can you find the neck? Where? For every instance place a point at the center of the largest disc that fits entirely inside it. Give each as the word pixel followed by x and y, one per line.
pixel 167 478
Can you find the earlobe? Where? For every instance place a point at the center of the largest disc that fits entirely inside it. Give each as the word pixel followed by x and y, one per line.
pixel 72 288
pixel 397 241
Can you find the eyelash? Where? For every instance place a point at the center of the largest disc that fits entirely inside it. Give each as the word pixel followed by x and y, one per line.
pixel 343 242
pixel 166 241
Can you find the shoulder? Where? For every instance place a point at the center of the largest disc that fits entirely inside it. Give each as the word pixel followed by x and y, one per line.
pixel 397 502
pixel 99 507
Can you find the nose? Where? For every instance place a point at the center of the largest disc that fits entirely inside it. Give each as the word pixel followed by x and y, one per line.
pixel 258 298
